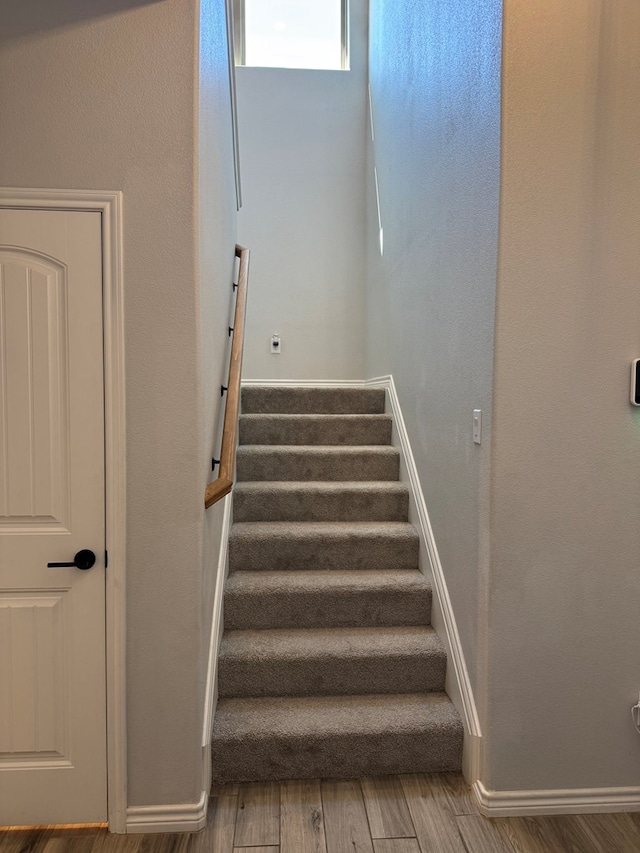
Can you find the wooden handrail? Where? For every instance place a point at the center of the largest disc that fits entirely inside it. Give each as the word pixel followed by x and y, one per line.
pixel 217 489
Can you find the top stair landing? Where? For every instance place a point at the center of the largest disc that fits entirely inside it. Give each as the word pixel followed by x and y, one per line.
pixel 312 401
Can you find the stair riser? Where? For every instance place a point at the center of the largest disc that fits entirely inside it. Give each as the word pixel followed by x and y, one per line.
pixel 331 676
pixel 326 609
pixel 330 553
pixel 281 466
pixel 316 506
pixel 313 401
pixel 336 756
pixel 296 431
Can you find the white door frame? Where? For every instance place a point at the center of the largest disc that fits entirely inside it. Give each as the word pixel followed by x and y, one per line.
pixel 109 205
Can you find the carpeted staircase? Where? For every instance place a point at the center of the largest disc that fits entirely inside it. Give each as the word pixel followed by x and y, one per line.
pixel 328 664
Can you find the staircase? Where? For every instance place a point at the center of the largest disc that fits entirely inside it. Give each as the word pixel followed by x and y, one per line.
pixel 328 664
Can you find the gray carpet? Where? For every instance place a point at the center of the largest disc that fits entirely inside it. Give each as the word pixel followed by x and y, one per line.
pixel 328 664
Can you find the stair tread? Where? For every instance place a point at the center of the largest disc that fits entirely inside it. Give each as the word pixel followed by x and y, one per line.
pixel 326 598
pixel 320 500
pixel 318 462
pixel 307 581
pixel 317 449
pixel 301 718
pixel 324 416
pixel 342 643
pixel 304 545
pixel 349 529
pixel 322 486
pixel 336 531
pixel 307 429
pixel 299 399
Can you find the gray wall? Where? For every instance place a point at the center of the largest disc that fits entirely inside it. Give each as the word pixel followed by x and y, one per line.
pixel 435 87
pixel 103 95
pixel 565 588
pixel 302 143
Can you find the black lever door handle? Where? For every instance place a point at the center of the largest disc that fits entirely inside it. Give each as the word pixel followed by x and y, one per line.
pixel 83 560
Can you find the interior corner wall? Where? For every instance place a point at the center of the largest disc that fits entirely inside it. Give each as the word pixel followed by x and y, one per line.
pixel 216 256
pixel 100 95
pixel 435 91
pixel 565 589
pixel 302 143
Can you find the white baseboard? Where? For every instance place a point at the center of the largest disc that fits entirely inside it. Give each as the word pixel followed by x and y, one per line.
pixel 182 817
pixel 569 801
pixel 217 619
pixel 458 682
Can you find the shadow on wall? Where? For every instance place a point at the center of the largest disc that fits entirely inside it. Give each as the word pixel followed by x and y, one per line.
pixel 20 19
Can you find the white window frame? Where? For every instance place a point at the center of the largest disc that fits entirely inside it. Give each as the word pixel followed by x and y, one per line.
pixel 239 41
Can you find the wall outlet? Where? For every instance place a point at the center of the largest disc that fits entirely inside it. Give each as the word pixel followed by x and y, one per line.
pixel 477 426
pixel 276 345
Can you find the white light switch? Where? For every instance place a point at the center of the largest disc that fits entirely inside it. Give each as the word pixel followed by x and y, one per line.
pixel 477 426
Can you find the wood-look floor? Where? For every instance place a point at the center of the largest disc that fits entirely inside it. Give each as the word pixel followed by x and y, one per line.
pixel 394 814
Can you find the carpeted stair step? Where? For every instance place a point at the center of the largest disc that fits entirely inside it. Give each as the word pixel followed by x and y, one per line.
pixel 280 545
pixel 326 599
pixel 330 661
pixel 335 736
pixel 309 462
pixel 315 429
pixel 313 401
pixel 320 501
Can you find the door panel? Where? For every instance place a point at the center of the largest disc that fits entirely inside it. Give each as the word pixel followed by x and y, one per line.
pixel 52 655
pixel 34 410
pixel 32 668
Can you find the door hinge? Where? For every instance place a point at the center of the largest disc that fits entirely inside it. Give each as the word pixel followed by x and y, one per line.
pixel 106 559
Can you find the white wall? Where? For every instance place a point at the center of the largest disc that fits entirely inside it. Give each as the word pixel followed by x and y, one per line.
pixel 103 95
pixel 302 144
pixel 565 586
pixel 435 84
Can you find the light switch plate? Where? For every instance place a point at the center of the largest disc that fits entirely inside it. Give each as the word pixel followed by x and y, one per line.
pixel 477 426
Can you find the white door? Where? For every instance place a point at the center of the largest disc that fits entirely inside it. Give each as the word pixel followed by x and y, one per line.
pixel 52 505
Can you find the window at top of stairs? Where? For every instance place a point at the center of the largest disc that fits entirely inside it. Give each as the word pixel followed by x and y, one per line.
pixel 309 34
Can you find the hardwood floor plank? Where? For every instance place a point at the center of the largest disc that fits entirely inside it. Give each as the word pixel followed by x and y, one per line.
pixel 481 836
pixel 105 842
pixel 53 840
pixel 387 808
pixel 301 818
pixel 68 844
pixel 258 817
pixel 19 841
pixel 220 829
pixel 613 831
pixel 435 825
pixel 165 842
pixel 254 850
pixel 230 789
pixel 569 834
pixel 345 817
pixel 455 791
pixel 527 835
pixel 396 845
